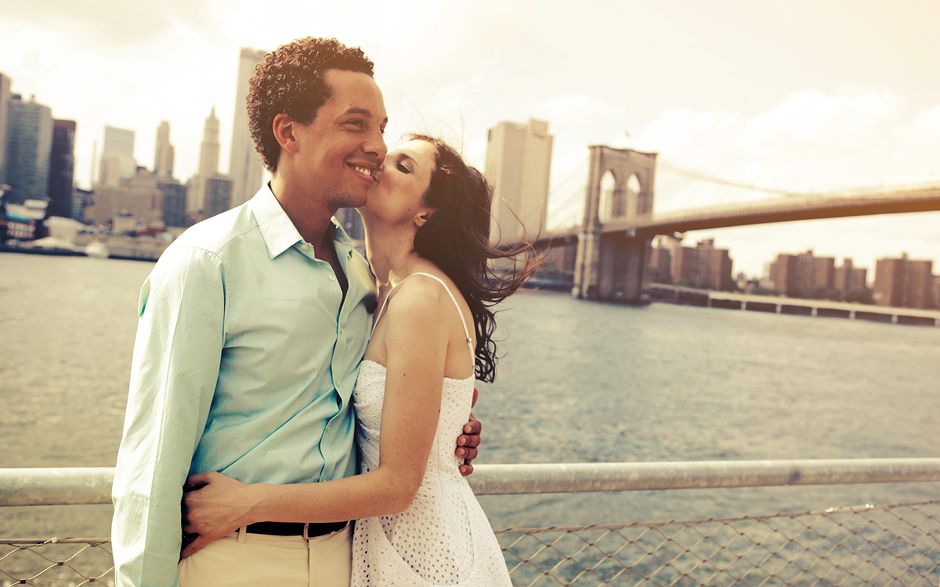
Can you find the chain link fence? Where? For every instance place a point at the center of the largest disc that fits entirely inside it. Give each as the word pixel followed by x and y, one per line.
pixel 56 562
pixel 867 545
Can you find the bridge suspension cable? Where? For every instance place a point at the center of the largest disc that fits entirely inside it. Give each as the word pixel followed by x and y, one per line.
pixel 566 197
pixel 701 175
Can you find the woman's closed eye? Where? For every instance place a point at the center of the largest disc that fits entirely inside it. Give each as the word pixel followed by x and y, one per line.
pixel 403 167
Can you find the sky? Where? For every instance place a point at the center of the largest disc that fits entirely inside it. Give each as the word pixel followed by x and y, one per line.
pixel 801 95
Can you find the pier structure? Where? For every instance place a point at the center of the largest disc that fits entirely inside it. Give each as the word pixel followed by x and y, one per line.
pixel 794 306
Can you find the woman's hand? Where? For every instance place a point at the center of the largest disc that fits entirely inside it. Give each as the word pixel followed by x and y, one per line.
pixel 468 442
pixel 214 506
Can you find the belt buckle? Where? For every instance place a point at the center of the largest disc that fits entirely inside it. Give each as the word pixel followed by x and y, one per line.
pixel 306 528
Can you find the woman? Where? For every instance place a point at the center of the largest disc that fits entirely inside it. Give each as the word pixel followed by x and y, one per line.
pixel 427 238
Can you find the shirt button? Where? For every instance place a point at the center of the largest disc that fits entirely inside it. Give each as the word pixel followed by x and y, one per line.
pixel 332 278
pixel 340 329
pixel 305 246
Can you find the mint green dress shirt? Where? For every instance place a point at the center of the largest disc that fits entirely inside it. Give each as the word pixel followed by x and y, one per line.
pixel 244 363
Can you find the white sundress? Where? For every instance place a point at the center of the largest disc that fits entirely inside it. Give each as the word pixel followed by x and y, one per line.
pixel 443 538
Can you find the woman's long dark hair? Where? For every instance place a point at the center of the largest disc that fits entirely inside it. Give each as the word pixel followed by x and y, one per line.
pixel 456 238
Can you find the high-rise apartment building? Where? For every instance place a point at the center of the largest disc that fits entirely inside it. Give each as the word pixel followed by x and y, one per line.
pixel 163 152
pixel 29 147
pixel 797 275
pixel 245 167
pixel 850 277
pixel 703 266
pixel 208 164
pixel 4 123
pixel 518 165
pixel 62 168
pixel 117 157
pixel 662 253
pixel 904 283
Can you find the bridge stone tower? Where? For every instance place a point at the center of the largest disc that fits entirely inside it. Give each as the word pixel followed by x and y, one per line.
pixel 612 258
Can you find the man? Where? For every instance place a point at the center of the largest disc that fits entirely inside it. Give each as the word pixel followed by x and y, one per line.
pixel 252 326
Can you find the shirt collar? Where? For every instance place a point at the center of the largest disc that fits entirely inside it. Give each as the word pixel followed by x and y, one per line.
pixel 278 231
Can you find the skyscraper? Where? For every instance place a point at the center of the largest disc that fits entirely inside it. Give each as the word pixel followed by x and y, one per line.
pixel 218 193
pixel 29 146
pixel 208 162
pixel 518 164
pixel 163 153
pixel 174 202
pixel 117 157
pixel 245 166
pixel 4 123
pixel 62 168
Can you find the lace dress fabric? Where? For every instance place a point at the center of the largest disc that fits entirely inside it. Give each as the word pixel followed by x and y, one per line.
pixel 444 537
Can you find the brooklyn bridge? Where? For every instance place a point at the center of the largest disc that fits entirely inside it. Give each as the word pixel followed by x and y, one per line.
pixel 606 255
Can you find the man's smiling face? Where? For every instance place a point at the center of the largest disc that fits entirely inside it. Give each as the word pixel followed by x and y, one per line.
pixel 343 146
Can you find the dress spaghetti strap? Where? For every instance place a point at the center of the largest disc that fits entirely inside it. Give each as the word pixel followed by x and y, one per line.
pixel 463 322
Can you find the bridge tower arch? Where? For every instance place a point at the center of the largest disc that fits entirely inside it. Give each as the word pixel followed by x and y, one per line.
pixel 610 265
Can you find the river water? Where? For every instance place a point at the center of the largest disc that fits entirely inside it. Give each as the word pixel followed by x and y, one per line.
pixel 579 382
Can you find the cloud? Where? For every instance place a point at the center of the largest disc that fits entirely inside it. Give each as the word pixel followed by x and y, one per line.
pixel 816 122
pixel 114 23
pixel 811 141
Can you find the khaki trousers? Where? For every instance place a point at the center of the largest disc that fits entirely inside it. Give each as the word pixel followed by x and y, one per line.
pixel 243 559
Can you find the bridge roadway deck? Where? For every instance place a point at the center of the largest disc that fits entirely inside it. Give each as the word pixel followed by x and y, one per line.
pixel 789 209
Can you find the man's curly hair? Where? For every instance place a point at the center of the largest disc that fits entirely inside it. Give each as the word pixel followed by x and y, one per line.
pixel 290 80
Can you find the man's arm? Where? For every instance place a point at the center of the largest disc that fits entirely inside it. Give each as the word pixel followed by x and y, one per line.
pixel 173 376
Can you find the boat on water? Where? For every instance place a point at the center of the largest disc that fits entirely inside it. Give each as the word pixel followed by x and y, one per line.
pixel 97 249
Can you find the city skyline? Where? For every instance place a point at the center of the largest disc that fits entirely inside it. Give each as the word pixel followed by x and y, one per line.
pixel 799 97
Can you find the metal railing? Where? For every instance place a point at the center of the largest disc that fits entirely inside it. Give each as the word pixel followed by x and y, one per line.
pixel 866 545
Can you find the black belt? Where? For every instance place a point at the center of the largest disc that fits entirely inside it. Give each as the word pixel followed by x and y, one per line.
pixel 295 528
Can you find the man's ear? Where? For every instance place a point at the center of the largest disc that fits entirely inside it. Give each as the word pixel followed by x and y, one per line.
pixel 283 128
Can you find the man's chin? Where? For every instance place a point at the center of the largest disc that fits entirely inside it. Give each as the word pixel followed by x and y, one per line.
pixel 349 199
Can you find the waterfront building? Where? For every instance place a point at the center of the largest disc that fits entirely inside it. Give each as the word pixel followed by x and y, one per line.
pixel 218 194
pixel 245 167
pixel 135 204
pixel 163 152
pixel 904 283
pixel 850 277
pixel 62 168
pixel 660 266
pixel 174 202
pixel 117 157
pixel 29 146
pixel 825 271
pixel 518 165
pixel 5 97
pixel 796 276
pixel 703 266
pixel 80 199
pixel 936 291
pixel 662 254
